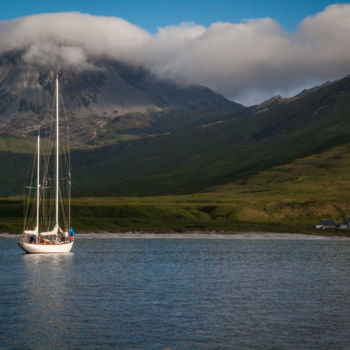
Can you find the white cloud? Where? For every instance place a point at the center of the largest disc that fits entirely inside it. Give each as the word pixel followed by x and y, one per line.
pixel 246 61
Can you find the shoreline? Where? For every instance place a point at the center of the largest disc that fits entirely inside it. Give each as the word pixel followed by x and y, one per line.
pixel 200 235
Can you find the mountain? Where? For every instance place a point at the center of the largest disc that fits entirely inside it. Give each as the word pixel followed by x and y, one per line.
pixel 219 153
pixel 110 100
pixel 207 148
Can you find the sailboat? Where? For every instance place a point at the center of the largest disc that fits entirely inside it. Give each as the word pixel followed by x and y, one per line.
pixel 50 209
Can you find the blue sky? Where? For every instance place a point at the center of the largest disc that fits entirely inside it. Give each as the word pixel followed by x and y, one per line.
pixel 150 14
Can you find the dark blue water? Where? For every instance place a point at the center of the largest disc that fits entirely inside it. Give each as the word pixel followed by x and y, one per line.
pixel 177 294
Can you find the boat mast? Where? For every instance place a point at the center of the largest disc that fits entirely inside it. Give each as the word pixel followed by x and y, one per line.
pixel 57 149
pixel 38 186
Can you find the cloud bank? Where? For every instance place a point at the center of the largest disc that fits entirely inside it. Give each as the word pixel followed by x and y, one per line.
pixel 246 62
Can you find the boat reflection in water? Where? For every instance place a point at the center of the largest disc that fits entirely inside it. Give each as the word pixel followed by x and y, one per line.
pixel 47 282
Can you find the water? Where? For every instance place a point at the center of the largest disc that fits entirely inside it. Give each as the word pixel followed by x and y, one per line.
pixel 177 294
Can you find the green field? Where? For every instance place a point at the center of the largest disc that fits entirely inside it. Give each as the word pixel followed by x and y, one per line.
pixel 287 198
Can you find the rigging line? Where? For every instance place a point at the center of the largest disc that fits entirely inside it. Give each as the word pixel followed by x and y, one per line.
pixel 63 213
pixel 67 157
pixel 66 150
pixel 47 193
pixel 29 208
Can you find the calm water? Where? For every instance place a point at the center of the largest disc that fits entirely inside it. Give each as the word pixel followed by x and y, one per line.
pixel 177 294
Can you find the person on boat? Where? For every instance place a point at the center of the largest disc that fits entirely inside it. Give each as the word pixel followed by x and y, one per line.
pixel 32 239
pixel 72 234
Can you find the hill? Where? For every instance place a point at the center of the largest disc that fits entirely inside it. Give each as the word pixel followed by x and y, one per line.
pixel 219 153
pixel 294 170
pixel 287 198
pixel 214 148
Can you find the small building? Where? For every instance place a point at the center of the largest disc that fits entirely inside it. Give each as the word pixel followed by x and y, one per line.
pixel 326 225
pixel 345 224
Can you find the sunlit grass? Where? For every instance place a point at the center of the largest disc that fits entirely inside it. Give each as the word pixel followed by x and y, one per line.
pixel 287 198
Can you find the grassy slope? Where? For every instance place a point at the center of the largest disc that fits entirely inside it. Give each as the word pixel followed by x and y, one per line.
pixel 192 161
pixel 16 144
pixel 291 197
pixel 288 198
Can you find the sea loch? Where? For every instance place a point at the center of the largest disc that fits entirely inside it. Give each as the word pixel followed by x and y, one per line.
pixel 178 294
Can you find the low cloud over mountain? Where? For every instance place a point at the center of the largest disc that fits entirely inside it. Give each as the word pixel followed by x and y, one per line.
pixel 246 62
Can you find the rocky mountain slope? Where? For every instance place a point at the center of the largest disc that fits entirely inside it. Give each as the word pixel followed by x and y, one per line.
pixel 111 98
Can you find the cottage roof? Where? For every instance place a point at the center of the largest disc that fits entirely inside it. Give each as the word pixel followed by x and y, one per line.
pixel 327 223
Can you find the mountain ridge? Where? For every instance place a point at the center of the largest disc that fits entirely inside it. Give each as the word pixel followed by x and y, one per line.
pixel 187 153
pixel 220 153
pixel 107 100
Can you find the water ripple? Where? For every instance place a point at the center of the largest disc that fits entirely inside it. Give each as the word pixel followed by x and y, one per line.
pixel 177 294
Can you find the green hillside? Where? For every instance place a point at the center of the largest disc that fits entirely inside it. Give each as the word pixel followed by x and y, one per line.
pixel 201 157
pixel 287 198
pixel 189 162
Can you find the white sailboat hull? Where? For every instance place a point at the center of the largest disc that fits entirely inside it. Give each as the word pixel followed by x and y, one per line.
pixel 59 248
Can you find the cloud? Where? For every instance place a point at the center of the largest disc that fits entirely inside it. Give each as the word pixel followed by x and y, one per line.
pixel 246 61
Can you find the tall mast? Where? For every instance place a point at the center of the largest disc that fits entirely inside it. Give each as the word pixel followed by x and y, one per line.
pixel 38 186
pixel 57 149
